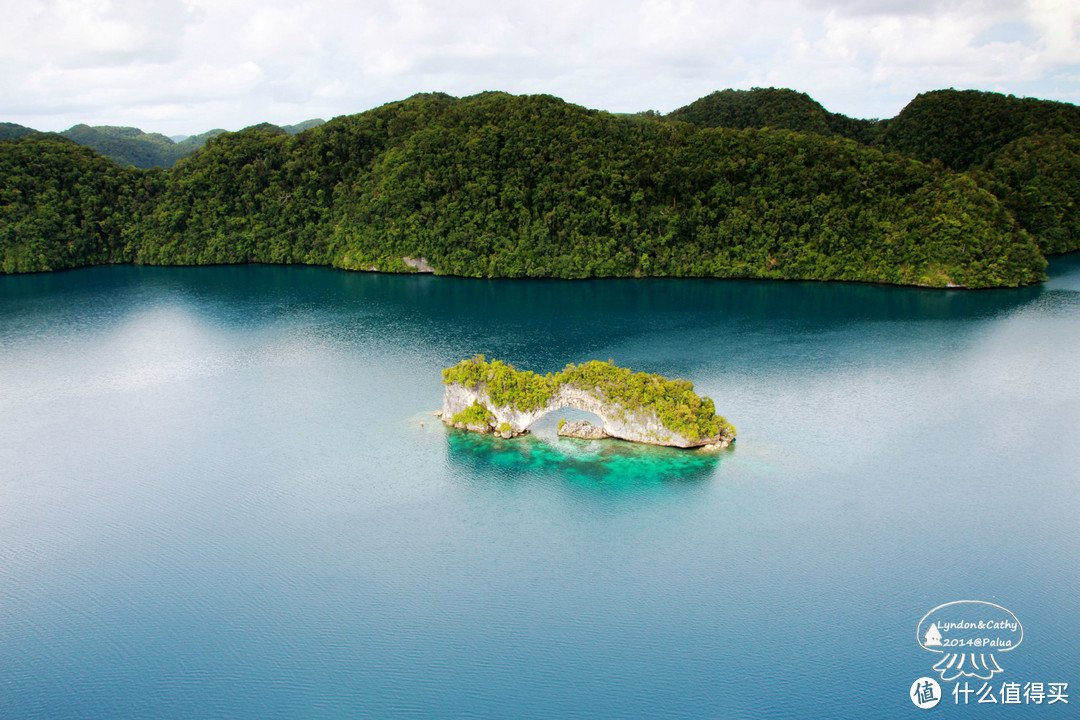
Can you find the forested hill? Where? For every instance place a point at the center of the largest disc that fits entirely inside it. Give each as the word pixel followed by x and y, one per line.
pixel 964 128
pixel 1023 150
pixel 131 146
pixel 776 108
pixel 10 131
pixel 502 186
pixel 63 205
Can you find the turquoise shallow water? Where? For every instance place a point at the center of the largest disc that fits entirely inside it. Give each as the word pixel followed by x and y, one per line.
pixel 224 496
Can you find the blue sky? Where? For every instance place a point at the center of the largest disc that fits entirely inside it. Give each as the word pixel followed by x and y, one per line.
pixel 185 66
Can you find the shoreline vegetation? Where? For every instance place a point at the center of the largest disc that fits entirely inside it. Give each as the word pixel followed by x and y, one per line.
pixel 962 189
pixel 494 397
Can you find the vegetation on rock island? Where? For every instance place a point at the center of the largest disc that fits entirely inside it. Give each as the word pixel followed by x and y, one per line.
pixel 476 415
pixel 961 189
pixel 507 387
pixel 624 392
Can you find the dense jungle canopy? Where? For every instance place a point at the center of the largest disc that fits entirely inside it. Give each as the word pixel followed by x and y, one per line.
pixel 962 188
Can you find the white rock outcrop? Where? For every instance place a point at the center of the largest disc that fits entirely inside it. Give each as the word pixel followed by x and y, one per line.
pixel 420 263
pixel 582 429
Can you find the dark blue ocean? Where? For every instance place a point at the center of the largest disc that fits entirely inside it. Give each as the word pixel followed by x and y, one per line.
pixel 223 494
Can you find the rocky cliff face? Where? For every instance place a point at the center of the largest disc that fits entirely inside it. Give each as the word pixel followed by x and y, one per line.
pixel 641 425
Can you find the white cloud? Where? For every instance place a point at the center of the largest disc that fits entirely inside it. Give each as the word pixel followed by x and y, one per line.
pixel 92 33
pixel 865 51
pixel 209 81
pixel 1058 25
pixel 189 65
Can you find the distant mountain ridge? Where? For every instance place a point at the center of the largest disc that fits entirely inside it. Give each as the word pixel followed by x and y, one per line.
pixel 128 145
pixel 193 142
pixel 11 131
pixel 301 127
pixel 136 148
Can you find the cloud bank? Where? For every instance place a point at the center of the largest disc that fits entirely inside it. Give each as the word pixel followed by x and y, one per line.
pixel 185 66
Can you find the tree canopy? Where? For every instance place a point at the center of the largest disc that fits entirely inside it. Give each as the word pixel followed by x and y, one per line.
pixel 673 402
pixel 761 183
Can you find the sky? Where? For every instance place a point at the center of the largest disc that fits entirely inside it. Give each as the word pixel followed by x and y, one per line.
pixel 186 66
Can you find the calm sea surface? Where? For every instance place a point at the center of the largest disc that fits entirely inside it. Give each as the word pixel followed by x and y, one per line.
pixel 223 495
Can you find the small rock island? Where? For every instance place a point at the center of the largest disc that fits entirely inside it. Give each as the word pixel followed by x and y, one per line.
pixel 494 397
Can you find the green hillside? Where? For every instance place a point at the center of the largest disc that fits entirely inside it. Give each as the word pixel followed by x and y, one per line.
pixel 128 145
pixel 194 142
pixel 63 205
pixel 1021 149
pixel 301 127
pixel 131 146
pixel 496 185
pixel 774 108
pixel 12 131
pixel 962 128
pixel 1037 178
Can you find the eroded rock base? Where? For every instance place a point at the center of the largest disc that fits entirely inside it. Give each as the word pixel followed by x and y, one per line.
pixel 582 429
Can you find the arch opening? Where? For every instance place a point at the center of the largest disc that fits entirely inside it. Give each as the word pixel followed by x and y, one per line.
pixel 552 423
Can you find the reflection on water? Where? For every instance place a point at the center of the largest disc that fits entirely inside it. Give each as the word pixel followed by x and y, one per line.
pixel 612 463
pixel 468 301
